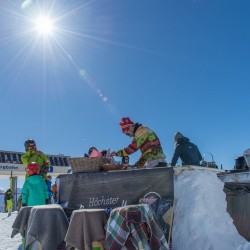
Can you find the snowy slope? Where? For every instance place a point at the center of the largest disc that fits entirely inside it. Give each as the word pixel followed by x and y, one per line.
pixel 236 177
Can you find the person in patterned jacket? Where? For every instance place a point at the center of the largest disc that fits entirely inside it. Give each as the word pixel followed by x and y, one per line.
pixel 145 140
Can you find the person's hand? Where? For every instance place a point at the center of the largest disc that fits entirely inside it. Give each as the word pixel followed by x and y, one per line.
pixel 113 154
pixel 45 167
pixel 38 152
pixel 46 164
pixel 31 153
pixel 125 167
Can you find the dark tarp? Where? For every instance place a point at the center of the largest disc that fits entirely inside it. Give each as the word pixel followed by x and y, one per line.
pixel 238 204
pixel 114 188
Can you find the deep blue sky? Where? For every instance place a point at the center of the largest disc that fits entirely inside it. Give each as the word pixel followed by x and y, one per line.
pixel 172 65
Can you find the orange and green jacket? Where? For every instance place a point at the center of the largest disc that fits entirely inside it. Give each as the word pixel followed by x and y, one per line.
pixel 148 143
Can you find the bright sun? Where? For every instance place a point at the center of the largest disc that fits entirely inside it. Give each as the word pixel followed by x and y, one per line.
pixel 44 25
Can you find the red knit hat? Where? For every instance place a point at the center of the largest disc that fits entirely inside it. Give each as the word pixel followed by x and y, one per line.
pixel 125 123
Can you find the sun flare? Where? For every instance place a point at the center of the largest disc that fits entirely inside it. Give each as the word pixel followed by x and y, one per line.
pixel 44 25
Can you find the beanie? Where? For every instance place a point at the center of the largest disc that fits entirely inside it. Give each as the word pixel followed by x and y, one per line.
pixel 125 123
pixel 178 135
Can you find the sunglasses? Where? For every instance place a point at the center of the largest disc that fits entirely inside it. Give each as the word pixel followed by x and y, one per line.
pixel 30 147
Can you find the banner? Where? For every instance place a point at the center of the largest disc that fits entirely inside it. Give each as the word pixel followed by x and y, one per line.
pixel 114 188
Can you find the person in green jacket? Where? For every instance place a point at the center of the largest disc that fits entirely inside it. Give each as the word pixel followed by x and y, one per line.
pixel 9 201
pixel 145 140
pixel 34 190
pixel 34 155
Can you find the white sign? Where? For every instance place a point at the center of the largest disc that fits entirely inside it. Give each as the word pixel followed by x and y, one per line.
pixel 20 170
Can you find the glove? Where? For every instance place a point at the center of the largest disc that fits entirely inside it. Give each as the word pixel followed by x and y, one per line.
pixel 45 167
pixel 38 152
pixel 104 153
pixel 30 153
pixel 24 205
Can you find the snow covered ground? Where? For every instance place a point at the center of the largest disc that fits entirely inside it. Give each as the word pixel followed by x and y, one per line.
pixel 201 221
pixel 6 242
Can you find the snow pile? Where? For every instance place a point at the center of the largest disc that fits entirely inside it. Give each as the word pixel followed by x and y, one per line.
pixel 2 191
pixel 236 177
pixel 201 220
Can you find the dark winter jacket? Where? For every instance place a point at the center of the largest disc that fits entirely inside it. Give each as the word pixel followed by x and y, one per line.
pixel 187 151
pixel 34 191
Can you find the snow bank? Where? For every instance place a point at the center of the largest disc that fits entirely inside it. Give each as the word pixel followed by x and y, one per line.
pixel 201 220
pixel 2 191
pixel 236 177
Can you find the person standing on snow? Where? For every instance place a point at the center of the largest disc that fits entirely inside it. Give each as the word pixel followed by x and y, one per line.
pixel 186 150
pixel 145 140
pixel 49 184
pixel 34 155
pixel 9 201
pixel 54 196
pixel 35 189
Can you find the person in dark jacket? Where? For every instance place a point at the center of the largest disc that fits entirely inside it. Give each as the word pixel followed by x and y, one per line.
pixel 8 201
pixel 187 151
pixel 54 189
pixel 49 184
